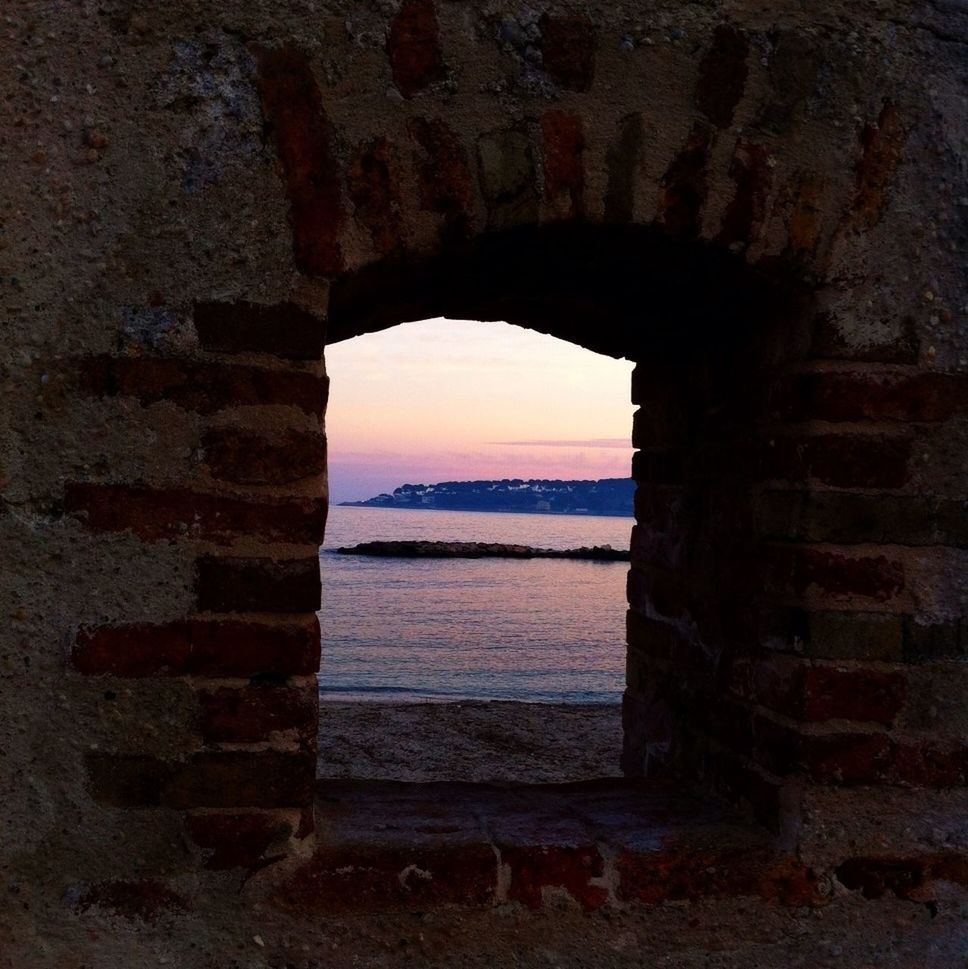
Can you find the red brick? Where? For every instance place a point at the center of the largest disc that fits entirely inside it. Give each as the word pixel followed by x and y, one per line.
pixel 250 714
pixel 570 867
pixel 568 50
pixel 876 396
pixel 847 759
pixel 126 780
pixel 832 693
pixel 803 222
pixel 413 47
pixel 722 75
pixel 258 585
pixel 882 145
pixel 445 179
pixel 199 647
pixel 812 692
pixel 564 169
pixel 655 876
pixel 176 513
pixel 143 899
pixel 623 160
pixel 372 182
pixel 282 329
pixel 928 763
pixel 293 110
pixel 876 876
pixel 239 840
pixel 202 387
pixel 366 878
pixel 746 211
pixel 807 571
pixel 225 779
pixel 684 186
pixel 840 460
pixel 246 457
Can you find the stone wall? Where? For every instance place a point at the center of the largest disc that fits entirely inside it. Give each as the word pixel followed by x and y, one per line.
pixel 763 206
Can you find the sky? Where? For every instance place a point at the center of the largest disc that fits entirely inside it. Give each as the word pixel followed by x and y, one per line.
pixel 453 400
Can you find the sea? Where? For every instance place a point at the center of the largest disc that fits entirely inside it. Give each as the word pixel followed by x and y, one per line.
pixel 409 630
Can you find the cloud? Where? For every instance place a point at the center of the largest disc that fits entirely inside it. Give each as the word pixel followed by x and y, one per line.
pixel 607 442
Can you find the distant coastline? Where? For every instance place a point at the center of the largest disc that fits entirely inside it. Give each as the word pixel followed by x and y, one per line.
pixel 611 497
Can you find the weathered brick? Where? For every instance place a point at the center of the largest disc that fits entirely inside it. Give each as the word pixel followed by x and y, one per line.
pixel 847 759
pixel 864 395
pixel 808 571
pixel 905 876
pixel 258 585
pixel 281 329
pixel 623 160
pixel 372 182
pixel 882 145
pixel 753 177
pixel 925 762
pixel 249 457
pixel 533 868
pixel 445 180
pixel 564 168
pixel 251 714
pixel 199 647
pixel 840 460
pixel 413 47
pixel 145 899
pixel 173 513
pixel 126 780
pixel 722 75
pixel 804 223
pixel 684 186
pixel 846 518
pixel 202 387
pixel 300 130
pixel 367 878
pixel 225 779
pixel 568 50
pixel 239 840
pixel 830 692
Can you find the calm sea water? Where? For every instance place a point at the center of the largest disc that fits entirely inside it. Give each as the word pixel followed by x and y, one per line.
pixel 446 629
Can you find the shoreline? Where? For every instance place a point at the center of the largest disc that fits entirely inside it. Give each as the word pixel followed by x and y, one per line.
pixel 469 740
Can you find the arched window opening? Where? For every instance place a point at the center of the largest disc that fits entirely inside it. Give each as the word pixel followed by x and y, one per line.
pixel 479 668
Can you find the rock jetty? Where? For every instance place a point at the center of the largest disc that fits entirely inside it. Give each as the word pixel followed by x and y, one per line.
pixel 479 550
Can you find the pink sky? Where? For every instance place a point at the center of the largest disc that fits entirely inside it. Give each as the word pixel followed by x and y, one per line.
pixel 454 400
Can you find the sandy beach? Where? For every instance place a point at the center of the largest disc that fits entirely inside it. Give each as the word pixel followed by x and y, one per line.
pixel 469 741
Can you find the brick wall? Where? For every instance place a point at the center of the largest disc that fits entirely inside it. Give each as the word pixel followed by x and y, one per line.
pixel 764 210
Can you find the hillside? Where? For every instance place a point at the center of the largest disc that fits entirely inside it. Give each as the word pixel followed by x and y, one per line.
pixel 608 496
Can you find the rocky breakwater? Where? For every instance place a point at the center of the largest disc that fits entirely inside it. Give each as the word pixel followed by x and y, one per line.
pixel 478 550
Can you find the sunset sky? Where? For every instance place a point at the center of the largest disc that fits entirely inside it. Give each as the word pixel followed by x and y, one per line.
pixel 454 400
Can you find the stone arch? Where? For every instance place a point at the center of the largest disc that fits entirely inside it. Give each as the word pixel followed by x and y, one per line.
pixel 789 150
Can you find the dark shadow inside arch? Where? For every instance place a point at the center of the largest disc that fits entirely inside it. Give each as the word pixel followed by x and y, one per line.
pixel 620 290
